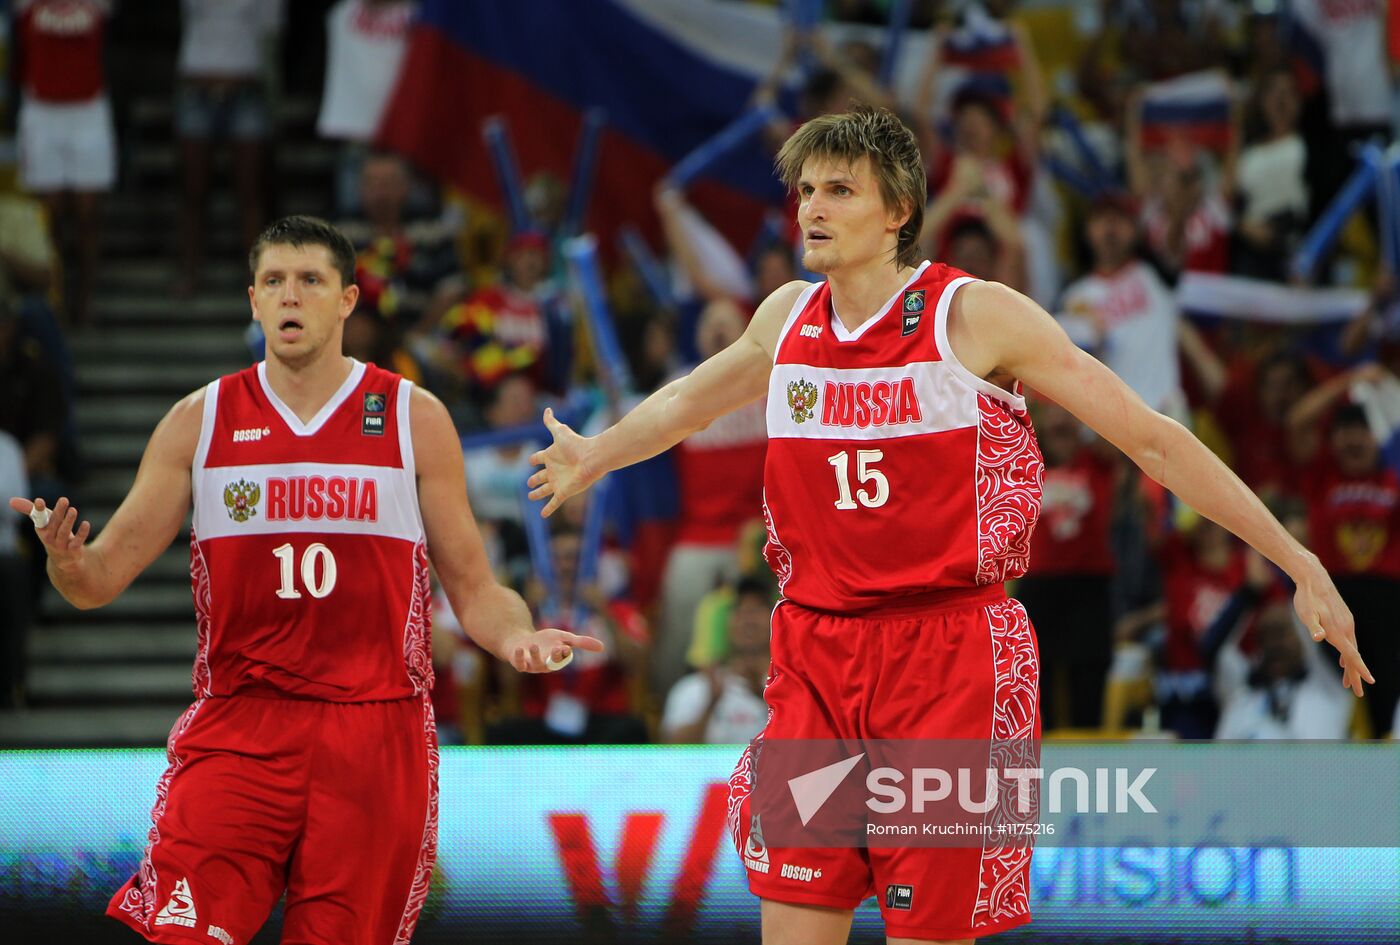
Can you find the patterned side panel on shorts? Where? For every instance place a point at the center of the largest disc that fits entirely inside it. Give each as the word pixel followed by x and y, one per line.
pixel 779 558
pixel 1003 889
pixel 417 641
pixel 203 610
pixel 740 787
pixel 1010 475
pixel 427 855
pixel 140 899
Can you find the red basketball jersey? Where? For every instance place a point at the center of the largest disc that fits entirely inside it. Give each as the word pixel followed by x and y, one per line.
pixel 892 470
pixel 307 554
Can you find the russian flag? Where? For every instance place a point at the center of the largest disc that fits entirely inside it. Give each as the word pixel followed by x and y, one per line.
pixel 668 73
pixel 1196 105
pixel 982 44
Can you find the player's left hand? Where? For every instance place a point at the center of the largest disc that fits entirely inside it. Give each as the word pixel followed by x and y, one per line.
pixel 532 653
pixel 1328 618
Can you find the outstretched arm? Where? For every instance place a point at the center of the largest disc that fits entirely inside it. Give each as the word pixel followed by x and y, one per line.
pixel 995 330
pixel 732 378
pixel 149 518
pixel 492 615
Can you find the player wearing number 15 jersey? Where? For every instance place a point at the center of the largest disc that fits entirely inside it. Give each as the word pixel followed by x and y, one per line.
pixel 901 486
pixel 307 764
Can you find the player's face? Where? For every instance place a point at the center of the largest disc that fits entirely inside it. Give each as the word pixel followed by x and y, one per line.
pixel 298 299
pixel 843 217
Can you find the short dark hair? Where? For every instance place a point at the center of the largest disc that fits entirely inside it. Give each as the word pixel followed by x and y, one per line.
pixel 877 134
pixel 749 586
pixel 1350 415
pixel 299 231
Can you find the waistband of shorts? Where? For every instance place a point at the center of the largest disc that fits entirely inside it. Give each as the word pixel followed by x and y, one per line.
pixel 920 605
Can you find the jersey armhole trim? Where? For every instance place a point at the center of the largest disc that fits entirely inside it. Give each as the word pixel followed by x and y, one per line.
pixel 945 350
pixel 793 314
pixel 206 425
pixel 404 406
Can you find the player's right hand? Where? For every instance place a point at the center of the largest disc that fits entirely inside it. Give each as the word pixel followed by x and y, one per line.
pixel 565 471
pixel 63 544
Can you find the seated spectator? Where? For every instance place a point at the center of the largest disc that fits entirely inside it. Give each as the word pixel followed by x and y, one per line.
pixel 1124 314
pixel 495 474
pixel 501 329
pixel 14 577
pixel 599 697
pixel 723 704
pixel 404 267
pixel 1271 188
pixel 720 484
pixel 67 146
pixel 1067 589
pixel 224 50
pixel 1286 689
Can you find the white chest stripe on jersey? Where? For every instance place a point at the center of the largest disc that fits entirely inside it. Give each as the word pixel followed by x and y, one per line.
pixel 325 498
pixel 868 403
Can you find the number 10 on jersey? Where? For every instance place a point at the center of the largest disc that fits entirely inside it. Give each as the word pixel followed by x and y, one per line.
pixel 314 553
pixel 866 473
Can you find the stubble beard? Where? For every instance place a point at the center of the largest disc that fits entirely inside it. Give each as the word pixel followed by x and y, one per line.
pixel 820 260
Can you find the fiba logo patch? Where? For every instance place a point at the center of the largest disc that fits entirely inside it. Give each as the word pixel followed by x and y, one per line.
pixel 802 400
pixel 241 499
pixel 912 309
pixel 180 909
pixel 899 897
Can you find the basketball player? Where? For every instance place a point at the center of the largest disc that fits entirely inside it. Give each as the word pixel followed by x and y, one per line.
pixel 308 761
pixel 902 482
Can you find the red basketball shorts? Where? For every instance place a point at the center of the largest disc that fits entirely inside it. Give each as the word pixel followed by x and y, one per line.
pixel 333 803
pixel 960 665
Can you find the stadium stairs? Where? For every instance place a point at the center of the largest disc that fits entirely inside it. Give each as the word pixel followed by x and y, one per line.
pixel 119 675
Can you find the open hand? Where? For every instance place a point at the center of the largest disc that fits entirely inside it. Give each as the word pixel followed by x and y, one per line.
pixel 565 471
pixel 532 652
pixel 1328 618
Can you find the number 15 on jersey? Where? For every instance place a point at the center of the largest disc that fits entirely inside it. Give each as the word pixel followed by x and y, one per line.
pixel 866 473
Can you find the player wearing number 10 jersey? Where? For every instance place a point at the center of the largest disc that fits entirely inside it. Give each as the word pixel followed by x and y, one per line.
pixel 307 764
pixel 901 485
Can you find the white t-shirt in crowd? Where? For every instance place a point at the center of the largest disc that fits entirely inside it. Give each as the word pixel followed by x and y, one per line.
pixel 223 38
pixel 365 43
pixel 1352 36
pixel 1140 315
pixel 1313 707
pixel 494 481
pixel 13 481
pixel 738 716
pixel 1271 178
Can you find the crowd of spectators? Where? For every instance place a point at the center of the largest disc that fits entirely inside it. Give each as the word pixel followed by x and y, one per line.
pixel 1149 618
